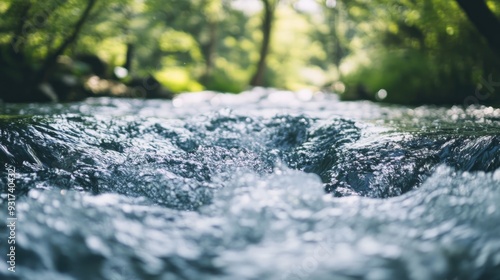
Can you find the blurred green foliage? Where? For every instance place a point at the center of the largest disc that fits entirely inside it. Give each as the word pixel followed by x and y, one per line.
pixel 417 51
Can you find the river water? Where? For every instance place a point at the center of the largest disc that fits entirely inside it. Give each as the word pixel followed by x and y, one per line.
pixel 262 185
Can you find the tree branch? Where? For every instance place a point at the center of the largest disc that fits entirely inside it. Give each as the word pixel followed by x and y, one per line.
pixel 484 20
pixel 51 59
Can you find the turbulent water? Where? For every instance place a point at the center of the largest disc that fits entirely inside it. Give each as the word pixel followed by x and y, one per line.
pixel 263 185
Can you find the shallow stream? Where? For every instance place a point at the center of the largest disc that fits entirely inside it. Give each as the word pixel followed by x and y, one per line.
pixel 263 185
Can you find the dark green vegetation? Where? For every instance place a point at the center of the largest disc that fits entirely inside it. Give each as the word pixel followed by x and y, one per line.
pixel 409 52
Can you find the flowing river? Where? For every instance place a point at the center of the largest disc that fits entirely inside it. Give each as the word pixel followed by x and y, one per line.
pixel 263 185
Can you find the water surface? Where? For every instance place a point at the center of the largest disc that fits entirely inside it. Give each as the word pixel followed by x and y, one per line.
pixel 263 185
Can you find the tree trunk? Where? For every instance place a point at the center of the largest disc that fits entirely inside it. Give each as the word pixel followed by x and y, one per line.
pixel 20 9
pixel 484 20
pixel 129 57
pixel 336 51
pixel 212 49
pixel 267 25
pixel 51 59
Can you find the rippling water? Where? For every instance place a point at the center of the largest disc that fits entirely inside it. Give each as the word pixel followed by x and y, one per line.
pixel 263 185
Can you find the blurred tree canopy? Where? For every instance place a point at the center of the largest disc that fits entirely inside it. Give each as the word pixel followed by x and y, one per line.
pixel 401 51
pixel 420 51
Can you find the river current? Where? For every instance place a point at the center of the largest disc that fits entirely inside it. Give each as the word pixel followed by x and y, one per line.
pixel 267 184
